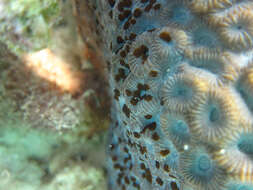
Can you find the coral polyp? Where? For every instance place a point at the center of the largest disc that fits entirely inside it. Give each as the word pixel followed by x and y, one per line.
pixel 170 42
pixel 214 116
pixel 182 91
pixel 204 6
pixel 176 128
pixel 200 170
pixel 236 153
pixel 236 30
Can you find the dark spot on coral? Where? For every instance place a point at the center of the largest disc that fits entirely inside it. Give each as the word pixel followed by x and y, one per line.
pixel 148 116
pixel 132 36
pixel 126 180
pixel 133 21
pixel 134 101
pixel 148 176
pixel 153 73
pixel 128 92
pixel 147 97
pixel 126 110
pixel 126 25
pixel 157 164
pixel 142 166
pixel 137 12
pixel 166 168
pixel 150 126
pixel 117 166
pixel 116 94
pixel 146 87
pixel 141 51
pixel 159 181
pixel 121 17
pixel 124 4
pixel 157 6
pixel 133 179
pixel 123 54
pixel 165 152
pixel 151 30
pixel 125 149
pixel 174 186
pixel 165 36
pixel 143 149
pixel 137 135
pixel 155 136
pixel 143 86
pixel 120 75
pixel 125 160
pixel 114 158
pixel 120 40
pixel 172 176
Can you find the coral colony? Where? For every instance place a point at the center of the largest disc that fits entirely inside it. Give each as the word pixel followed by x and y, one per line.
pixel 182 83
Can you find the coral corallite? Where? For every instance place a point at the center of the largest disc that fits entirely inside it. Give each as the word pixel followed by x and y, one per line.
pixel 181 79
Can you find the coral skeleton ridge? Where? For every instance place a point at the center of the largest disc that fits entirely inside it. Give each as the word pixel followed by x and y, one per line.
pixel 182 81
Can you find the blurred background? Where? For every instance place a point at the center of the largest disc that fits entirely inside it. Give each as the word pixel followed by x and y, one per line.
pixel 54 101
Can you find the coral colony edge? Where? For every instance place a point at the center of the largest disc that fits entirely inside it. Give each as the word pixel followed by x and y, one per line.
pixel 181 76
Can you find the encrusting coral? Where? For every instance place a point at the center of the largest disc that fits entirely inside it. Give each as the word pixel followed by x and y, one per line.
pixel 180 77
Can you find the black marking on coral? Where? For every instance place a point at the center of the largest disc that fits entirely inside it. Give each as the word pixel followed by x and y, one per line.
pixel 174 186
pixel 116 94
pixel 126 110
pixel 155 136
pixel 150 126
pixel 159 181
pixel 141 51
pixel 137 12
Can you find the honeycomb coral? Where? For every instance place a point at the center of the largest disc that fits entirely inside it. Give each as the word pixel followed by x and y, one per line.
pixel 180 76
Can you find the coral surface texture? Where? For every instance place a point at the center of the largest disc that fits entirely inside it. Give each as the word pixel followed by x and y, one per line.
pixel 182 84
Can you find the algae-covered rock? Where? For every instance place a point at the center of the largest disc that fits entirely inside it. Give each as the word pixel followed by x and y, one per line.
pixel 26 24
pixel 51 133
